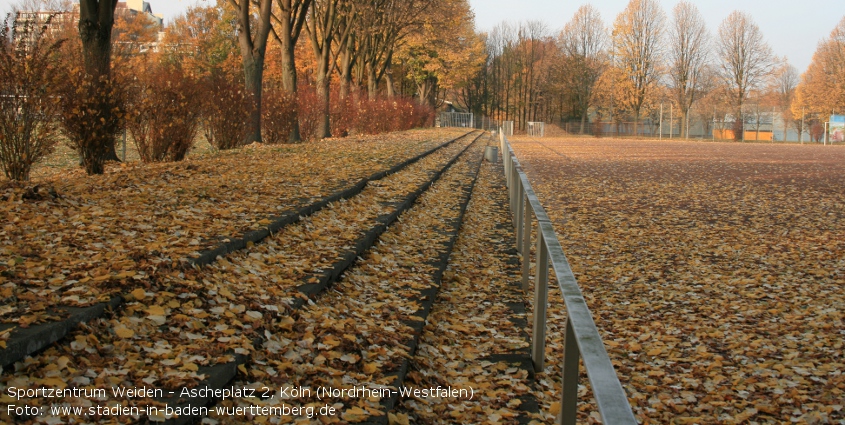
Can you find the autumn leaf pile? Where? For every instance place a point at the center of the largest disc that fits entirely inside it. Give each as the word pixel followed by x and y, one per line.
pixel 715 273
pixel 104 235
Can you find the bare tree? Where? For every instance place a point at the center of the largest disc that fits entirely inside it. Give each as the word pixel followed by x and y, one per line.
pixel 785 79
pixel 746 59
pixel 583 41
pixel 382 25
pixel 346 55
pixel 637 40
pixel 689 53
pixel 535 39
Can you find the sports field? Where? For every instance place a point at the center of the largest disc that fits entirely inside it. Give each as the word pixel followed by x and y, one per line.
pixel 715 271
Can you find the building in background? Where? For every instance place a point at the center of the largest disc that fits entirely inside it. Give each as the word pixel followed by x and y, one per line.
pixel 135 7
pixel 836 128
pixel 28 22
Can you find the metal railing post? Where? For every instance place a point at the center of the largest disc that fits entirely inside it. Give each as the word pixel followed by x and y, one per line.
pixel 520 211
pixel 508 165
pixel 505 164
pixel 513 192
pixel 526 245
pixel 510 182
pixel 541 294
pixel 569 393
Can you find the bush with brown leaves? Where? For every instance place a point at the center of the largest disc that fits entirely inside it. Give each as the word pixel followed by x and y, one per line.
pixel 29 73
pixel 165 114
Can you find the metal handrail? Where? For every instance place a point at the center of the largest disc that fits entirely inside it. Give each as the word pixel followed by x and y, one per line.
pixel 580 328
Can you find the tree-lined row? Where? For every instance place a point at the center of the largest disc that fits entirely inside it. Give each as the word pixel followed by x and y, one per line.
pixel 236 71
pixel 337 46
pixel 589 72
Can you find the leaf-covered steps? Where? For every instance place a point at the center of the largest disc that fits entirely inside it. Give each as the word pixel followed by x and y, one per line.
pixel 106 329
pixel 364 329
pixel 23 342
pixel 290 217
pixel 451 225
pixel 476 333
pixel 331 274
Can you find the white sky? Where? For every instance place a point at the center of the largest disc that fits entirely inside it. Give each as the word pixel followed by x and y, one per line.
pixel 793 28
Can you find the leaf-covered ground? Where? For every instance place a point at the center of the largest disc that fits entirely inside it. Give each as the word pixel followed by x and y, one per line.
pixel 715 273
pixel 79 239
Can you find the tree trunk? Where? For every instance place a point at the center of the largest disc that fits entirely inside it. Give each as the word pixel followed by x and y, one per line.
pixel 739 116
pixel 391 89
pixel 253 76
pixel 422 90
pixel 96 20
pixel 345 72
pixel 324 129
pixel 583 122
pixel 388 75
pixel 289 85
pixel 636 121
pixel 253 44
pixel 372 84
pixel 95 26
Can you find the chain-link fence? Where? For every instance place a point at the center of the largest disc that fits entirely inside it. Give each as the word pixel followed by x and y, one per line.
pixel 507 128
pixel 457 119
pixel 772 125
pixel 535 129
pixel 486 123
pixel 468 120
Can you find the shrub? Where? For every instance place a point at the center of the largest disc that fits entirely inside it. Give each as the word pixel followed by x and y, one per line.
pixel 28 74
pixel 344 115
pixel 348 116
pixel 164 114
pixel 382 115
pixel 816 130
pixel 598 129
pixel 309 110
pixel 738 129
pixel 224 111
pixel 92 113
pixel 369 120
pixel 277 115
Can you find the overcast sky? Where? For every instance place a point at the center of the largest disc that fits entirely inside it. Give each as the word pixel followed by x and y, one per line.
pixel 792 27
